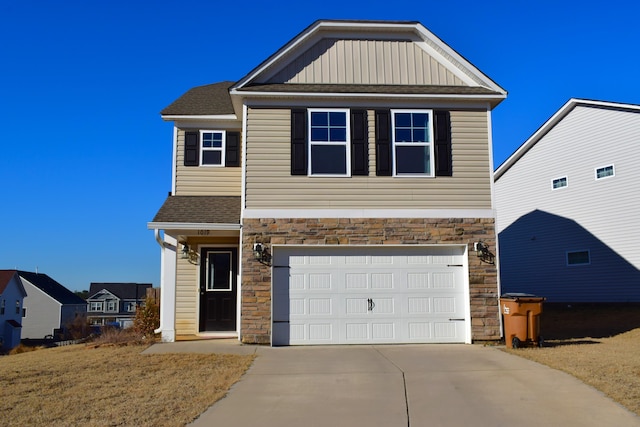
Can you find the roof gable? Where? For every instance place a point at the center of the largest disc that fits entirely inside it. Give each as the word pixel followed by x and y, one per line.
pixel 135 291
pixel 52 288
pixel 11 276
pixel 367 52
pixel 546 127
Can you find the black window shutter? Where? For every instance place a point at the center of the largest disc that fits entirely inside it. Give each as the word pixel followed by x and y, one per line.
pixel 359 143
pixel 191 149
pixel 383 143
pixel 232 150
pixel 442 147
pixel 298 142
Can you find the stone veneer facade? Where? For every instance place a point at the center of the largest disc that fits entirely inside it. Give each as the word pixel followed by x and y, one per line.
pixel 256 277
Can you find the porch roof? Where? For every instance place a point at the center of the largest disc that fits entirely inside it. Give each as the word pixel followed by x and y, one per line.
pixel 199 210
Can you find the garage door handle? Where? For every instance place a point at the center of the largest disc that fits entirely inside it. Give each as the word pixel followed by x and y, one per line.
pixel 371 304
pixel 456 320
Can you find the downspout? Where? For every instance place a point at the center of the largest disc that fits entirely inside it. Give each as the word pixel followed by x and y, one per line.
pixel 164 245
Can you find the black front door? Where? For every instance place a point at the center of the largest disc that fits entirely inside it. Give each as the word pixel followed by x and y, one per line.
pixel 218 289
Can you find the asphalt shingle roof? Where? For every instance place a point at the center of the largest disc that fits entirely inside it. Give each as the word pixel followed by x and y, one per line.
pixel 213 99
pixel 200 210
pixel 121 290
pixel 52 288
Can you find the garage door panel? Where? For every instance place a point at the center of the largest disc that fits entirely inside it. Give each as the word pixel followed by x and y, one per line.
pixel 369 295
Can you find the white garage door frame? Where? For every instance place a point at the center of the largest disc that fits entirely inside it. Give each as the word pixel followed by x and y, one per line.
pixel 370 294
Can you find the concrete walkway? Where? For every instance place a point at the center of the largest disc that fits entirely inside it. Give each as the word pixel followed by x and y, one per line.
pixel 400 385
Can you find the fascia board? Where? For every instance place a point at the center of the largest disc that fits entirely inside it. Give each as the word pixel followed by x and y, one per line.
pixel 191 226
pixel 173 118
pixel 428 36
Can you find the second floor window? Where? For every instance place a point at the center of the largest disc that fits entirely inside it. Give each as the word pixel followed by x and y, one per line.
pixel 329 153
pixel 604 172
pixel 412 143
pixel 112 306
pixel 213 148
pixel 2 304
pixel 130 307
pixel 95 306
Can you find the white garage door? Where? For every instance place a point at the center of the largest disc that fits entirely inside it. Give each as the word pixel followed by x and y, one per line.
pixel 364 295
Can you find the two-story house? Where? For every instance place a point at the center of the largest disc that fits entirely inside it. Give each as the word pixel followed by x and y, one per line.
pixel 567 201
pixel 340 192
pixel 49 307
pixel 12 296
pixel 115 303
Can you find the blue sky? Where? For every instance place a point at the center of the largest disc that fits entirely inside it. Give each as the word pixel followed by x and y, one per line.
pixel 86 158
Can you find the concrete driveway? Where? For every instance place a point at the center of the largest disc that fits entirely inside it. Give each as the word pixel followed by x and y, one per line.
pixel 401 385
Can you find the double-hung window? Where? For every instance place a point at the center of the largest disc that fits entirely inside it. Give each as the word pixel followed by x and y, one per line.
pixel 95 306
pixel 213 148
pixel 329 142
pixel 412 139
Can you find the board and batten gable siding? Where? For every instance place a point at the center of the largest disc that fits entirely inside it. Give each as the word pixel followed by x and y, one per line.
pixel 589 214
pixel 384 62
pixel 205 180
pixel 270 185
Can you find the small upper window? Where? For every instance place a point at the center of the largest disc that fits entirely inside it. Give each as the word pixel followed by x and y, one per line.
pixel 329 140
pixel 605 172
pixel 112 306
pixel 559 183
pixel 17 306
pixel 213 144
pixel 130 306
pixel 578 258
pixel 2 305
pixel 95 306
pixel 412 142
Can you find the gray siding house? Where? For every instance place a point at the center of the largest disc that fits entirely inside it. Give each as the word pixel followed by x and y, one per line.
pixel 567 201
pixel 49 307
pixel 115 304
pixel 334 195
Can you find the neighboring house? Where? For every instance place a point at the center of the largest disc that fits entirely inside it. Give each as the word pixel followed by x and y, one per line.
pixel 49 308
pixel 12 294
pixel 115 303
pixel 335 194
pixel 567 204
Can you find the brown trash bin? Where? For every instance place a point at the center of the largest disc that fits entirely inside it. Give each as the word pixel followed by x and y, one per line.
pixel 521 315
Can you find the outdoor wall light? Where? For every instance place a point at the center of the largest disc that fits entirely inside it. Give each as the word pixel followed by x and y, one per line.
pixel 189 255
pixel 482 250
pixel 261 253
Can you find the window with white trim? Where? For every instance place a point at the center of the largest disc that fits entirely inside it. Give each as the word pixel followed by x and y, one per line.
pixel 329 142
pixel 605 172
pixel 578 258
pixel 212 148
pixel 112 306
pixel 412 139
pixel 95 306
pixel 559 183
pixel 130 306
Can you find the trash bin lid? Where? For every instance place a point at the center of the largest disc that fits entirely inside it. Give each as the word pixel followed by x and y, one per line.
pixel 522 296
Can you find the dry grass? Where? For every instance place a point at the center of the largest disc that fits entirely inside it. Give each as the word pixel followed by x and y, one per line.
pixel 598 344
pixel 112 385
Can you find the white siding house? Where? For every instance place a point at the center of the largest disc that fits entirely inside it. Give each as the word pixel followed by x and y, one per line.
pixel 12 294
pixel 566 203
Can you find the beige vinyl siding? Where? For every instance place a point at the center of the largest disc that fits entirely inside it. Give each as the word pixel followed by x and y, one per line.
pixel 205 180
pixel 186 298
pixel 366 62
pixel 271 186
